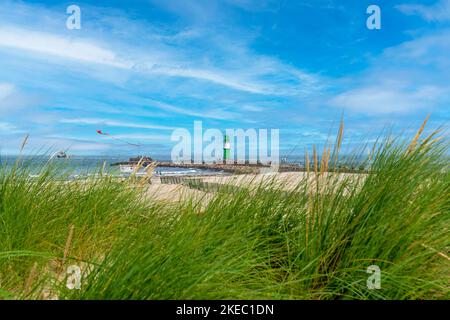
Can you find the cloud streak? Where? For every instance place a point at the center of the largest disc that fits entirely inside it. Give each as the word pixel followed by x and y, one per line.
pixel 6 89
pixel 49 44
pixel 406 78
pixel 438 12
pixel 113 123
pixel 387 100
pixel 215 114
pixel 252 79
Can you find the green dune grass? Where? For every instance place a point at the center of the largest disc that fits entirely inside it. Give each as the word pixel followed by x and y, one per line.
pixel 258 242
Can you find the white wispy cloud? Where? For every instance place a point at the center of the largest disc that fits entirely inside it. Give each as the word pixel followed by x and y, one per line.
pixel 90 51
pixel 430 49
pixel 144 137
pixel 440 11
pixel 406 78
pixel 48 144
pixel 386 100
pixel 7 127
pixel 84 147
pixel 114 123
pixel 218 77
pixel 12 100
pixel 209 114
pixel 233 64
pixel 6 89
pixel 51 44
pixel 252 108
pixel 73 144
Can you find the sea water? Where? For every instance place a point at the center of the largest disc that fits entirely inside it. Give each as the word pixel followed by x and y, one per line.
pixel 86 166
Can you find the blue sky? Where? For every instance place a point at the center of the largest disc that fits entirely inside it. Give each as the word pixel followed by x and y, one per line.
pixel 140 69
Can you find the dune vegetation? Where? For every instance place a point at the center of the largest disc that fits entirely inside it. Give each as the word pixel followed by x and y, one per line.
pixel 315 241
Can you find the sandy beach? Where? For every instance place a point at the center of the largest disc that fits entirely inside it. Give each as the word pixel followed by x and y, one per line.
pixel 287 181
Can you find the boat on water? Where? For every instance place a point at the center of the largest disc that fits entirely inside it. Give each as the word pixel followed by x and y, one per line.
pixel 61 155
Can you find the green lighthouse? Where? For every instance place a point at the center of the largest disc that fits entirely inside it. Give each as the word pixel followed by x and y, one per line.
pixel 226 148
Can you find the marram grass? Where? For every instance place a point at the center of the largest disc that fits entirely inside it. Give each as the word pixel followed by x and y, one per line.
pixel 314 241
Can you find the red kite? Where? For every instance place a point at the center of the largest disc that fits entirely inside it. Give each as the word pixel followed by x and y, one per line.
pixel 107 134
